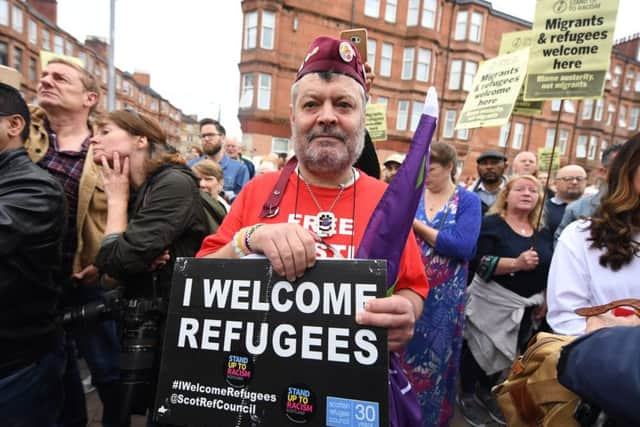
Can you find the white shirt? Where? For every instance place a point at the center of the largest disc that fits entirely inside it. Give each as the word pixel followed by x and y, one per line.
pixel 576 279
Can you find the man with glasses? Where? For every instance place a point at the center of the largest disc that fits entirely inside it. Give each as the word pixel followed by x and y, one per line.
pixel 32 209
pixel 236 174
pixel 571 181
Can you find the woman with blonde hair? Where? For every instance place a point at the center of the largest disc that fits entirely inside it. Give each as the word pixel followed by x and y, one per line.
pixel 512 263
pixel 211 179
pixel 143 237
pixel 597 261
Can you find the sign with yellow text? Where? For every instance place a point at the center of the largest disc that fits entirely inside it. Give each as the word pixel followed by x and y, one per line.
pixel 495 89
pixel 571 48
pixel 376 121
pixel 46 56
pixel 544 158
pixel 510 43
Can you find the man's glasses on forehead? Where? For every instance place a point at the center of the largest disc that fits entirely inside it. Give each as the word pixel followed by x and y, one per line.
pixel 209 135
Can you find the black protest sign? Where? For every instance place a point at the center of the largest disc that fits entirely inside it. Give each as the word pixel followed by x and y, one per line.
pixel 245 347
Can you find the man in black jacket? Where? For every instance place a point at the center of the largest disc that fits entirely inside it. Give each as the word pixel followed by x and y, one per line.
pixel 32 209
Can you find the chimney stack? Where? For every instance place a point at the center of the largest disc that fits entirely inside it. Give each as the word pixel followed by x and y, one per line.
pixel 46 8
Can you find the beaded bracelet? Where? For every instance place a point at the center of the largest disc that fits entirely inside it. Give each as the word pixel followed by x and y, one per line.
pixel 237 243
pixel 248 235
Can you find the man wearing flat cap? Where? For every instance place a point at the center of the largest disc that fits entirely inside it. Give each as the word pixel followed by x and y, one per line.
pixel 491 165
pixel 323 202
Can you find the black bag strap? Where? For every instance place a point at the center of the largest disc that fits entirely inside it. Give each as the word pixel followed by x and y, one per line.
pixel 272 205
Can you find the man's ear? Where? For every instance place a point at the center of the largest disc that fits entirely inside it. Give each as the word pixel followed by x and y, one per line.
pixel 91 99
pixel 16 125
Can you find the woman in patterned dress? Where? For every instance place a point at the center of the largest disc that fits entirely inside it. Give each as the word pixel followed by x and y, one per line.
pixel 447 225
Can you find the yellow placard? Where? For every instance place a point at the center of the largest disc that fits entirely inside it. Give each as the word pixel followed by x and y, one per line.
pixel 376 121
pixel 495 89
pixel 46 56
pixel 571 49
pixel 10 76
pixel 511 42
pixel 544 158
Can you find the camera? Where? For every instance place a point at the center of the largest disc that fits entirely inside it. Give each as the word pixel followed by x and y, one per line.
pixel 108 307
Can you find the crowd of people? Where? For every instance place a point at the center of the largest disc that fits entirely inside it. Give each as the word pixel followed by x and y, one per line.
pixel 89 203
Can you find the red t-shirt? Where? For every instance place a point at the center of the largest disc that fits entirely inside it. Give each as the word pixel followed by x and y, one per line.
pixel 297 206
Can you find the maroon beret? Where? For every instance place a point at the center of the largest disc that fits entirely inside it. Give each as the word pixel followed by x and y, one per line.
pixel 327 54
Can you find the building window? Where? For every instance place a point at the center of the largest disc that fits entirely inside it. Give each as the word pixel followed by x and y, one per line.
pixel 563 140
pixel 622 116
pixel 403 115
pixel 429 13
pixel 68 48
pixel 463 134
pixel 383 100
pixel 518 136
pixel 551 135
pixel 280 145
pixel 33 72
pixel 424 64
pixel 627 80
pixel 385 59
pixel 407 63
pixel 633 118
pixel 637 86
pixel 449 123
pixel 268 29
pixel 470 69
pixel 599 109
pixel 264 92
pixel 17 58
pixel 611 112
pixel 603 146
pixel 46 40
pixel 555 104
pixel 581 147
pixel 246 97
pixel 372 8
pixel 83 57
pixel 587 109
pixel 617 71
pixel 4 12
pixel 372 45
pixel 455 74
pixel 475 29
pixel 17 21
pixel 412 13
pixel 33 31
pixel 58 45
pixel 416 112
pixel 390 10
pixel 504 134
pixel 250 29
pixel 4 54
pixel 593 144
pixel 461 25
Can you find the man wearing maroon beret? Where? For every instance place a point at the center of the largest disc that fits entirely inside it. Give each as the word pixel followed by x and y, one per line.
pixel 323 202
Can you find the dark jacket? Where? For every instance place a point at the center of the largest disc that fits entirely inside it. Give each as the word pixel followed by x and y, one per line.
pixel 32 209
pixel 165 213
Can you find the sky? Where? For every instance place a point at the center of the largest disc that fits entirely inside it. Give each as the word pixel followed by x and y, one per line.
pixel 191 48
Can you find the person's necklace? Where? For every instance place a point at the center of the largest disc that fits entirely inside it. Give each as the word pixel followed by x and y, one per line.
pixel 326 222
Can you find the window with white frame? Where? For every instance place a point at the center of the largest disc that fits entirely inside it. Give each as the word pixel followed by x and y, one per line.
pixel 246 91
pixel 461 25
pixel 264 91
pixel 416 112
pixel 504 134
pixel 424 65
pixel 628 79
pixel 455 73
pixel 33 31
pixel 403 115
pixel 518 135
pixel 593 145
pixel 449 123
pixel 581 147
pixel 555 104
pixel 280 145
pixel 412 13
pixel 551 135
pixel 46 40
pixel 17 58
pixel 463 134
pixel 68 48
pixel 385 59
pixel 429 13
pixel 633 118
pixel 268 29
pixel 611 111
pixel 617 71
pixel 599 109
pixel 622 116
pixel 83 57
pixel 33 69
pixel 58 44
pixel 407 63
pixel 372 8
pixel 372 45
pixel 383 100
pixel 470 69
pixel 17 20
pixel 568 106
pixel 475 28
pixel 603 146
pixel 4 12
pixel 637 85
pixel 587 109
pixel 4 54
pixel 250 29
pixel 390 10
pixel 563 140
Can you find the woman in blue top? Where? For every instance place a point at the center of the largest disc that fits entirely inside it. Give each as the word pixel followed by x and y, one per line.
pixel 447 226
